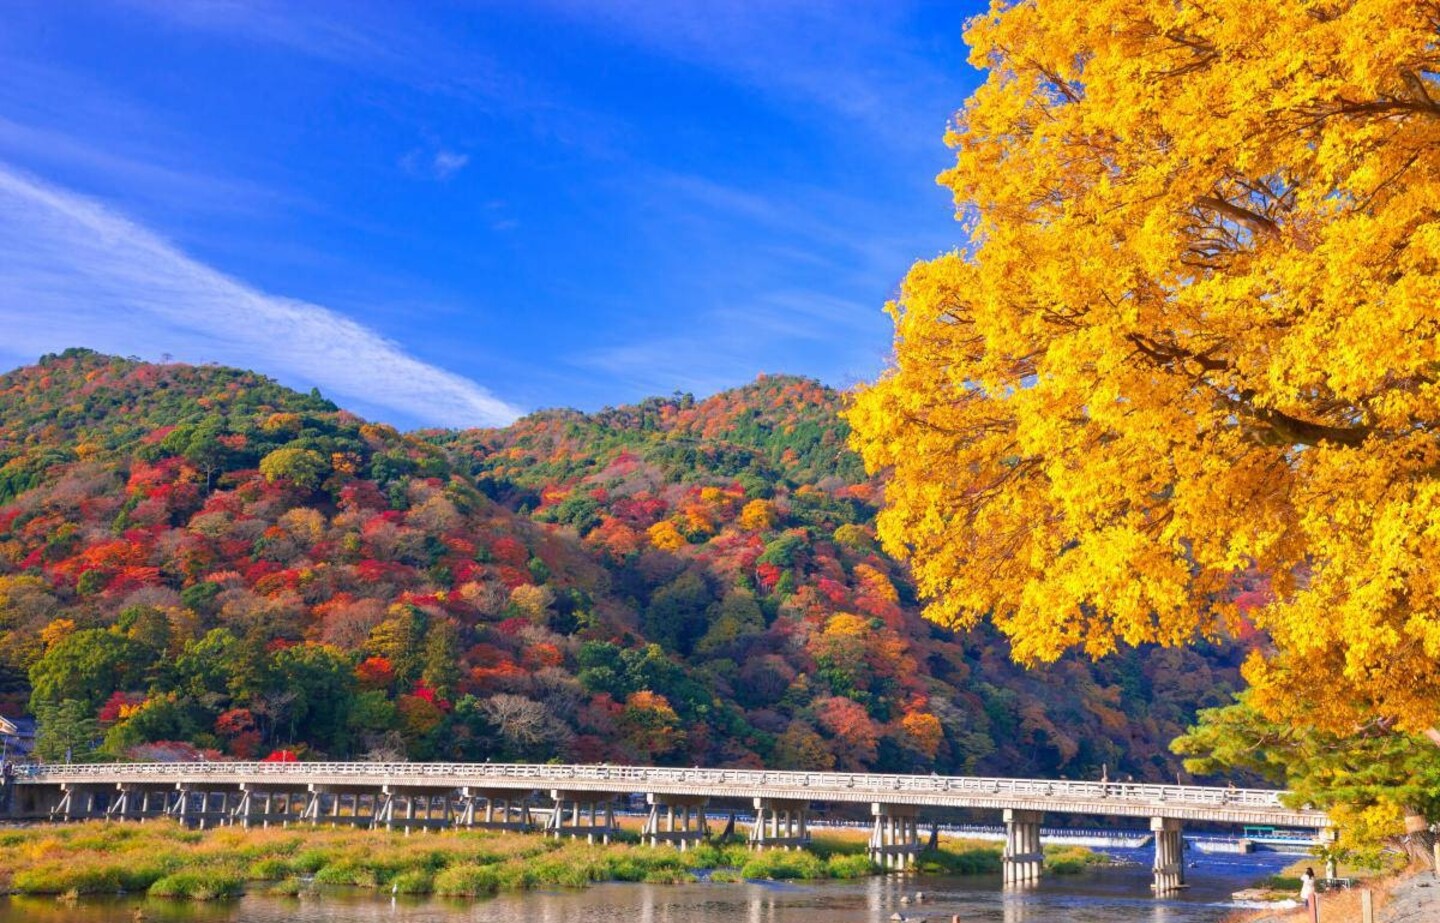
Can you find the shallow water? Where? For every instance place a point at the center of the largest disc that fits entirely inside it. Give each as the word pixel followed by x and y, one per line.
pixel 1110 895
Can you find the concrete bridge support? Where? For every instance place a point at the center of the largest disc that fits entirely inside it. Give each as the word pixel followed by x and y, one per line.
pixel 262 804
pixel 504 809
pixel 409 807
pixel 80 801
pixel 1023 857
pixel 895 837
pixel 666 810
pixel 138 801
pixel 325 804
pixel 587 814
pixel 1169 865
pixel 780 824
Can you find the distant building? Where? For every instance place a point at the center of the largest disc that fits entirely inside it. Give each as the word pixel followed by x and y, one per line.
pixel 17 737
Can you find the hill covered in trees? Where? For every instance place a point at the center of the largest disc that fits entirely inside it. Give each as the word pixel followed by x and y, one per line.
pixel 198 556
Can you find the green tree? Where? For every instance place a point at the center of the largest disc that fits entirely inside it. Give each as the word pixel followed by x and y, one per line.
pixel 86 667
pixel 322 681
pixel 66 731
pixel 737 616
pixel 302 467
pixel 442 658
pixel 678 613
pixel 1374 782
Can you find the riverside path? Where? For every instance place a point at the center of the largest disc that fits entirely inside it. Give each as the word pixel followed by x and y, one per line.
pixel 580 800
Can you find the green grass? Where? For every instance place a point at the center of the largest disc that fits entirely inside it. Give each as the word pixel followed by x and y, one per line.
pixel 468 881
pixel 784 865
pixel 415 881
pixel 162 859
pixel 854 866
pixel 961 857
pixel 198 885
pixel 1072 860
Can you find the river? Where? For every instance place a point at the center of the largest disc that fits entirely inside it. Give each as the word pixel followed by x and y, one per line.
pixel 1118 894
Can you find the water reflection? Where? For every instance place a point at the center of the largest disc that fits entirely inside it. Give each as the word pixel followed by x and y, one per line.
pixel 1116 895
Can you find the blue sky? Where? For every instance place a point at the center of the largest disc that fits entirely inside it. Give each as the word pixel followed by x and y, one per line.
pixel 453 213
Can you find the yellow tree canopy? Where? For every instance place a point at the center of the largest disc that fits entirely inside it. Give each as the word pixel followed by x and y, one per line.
pixel 1193 333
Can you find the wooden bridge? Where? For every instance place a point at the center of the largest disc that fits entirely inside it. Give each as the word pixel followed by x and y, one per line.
pixel 579 801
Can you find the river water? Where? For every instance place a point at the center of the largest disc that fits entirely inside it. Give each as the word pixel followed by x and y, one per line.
pixel 1118 894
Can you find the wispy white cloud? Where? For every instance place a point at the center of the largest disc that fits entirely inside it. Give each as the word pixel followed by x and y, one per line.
pixel 448 163
pixel 75 273
pixel 297 27
pixel 767 332
pixel 440 164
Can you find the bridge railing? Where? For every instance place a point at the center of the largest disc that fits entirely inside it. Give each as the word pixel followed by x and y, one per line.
pixel 637 778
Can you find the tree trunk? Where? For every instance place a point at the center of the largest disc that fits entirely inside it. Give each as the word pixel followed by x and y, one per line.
pixel 1419 841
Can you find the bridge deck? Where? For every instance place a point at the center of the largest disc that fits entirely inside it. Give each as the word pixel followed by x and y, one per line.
pixel 1107 799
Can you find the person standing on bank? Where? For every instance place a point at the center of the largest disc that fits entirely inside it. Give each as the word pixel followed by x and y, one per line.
pixel 1307 894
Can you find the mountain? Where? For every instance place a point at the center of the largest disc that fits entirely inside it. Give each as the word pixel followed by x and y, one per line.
pixel 199 556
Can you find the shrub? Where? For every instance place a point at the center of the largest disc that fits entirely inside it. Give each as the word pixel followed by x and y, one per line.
pixel 290 887
pixel 271 869
pixel 854 866
pixel 197 885
pixel 467 881
pixel 1071 860
pixel 58 879
pixel 347 872
pixel 784 865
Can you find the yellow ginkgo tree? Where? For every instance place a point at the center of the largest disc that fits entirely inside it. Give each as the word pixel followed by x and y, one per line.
pixel 1191 335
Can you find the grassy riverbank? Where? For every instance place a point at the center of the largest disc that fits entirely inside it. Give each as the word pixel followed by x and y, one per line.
pixel 1341 906
pixel 164 860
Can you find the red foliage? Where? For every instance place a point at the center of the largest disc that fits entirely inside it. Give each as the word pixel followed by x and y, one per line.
pixel 424 692
pixel 110 712
pixel 133 578
pixel 375 673
pixel 235 721
pixel 506 550
pixel 833 590
pixel 512 576
pixel 542 655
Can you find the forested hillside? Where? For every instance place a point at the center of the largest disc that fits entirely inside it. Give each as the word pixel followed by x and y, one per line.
pixel 198 555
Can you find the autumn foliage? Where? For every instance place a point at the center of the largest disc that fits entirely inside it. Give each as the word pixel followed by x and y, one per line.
pixel 1193 335
pixel 253 571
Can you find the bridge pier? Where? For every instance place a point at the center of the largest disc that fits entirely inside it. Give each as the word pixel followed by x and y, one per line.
pixel 895 837
pixel 693 827
pixel 1023 858
pixel 591 815
pixel 253 795
pixel 80 801
pixel 1169 865
pixel 512 807
pixel 780 823
pixel 406 797
pixel 189 797
pixel 132 801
